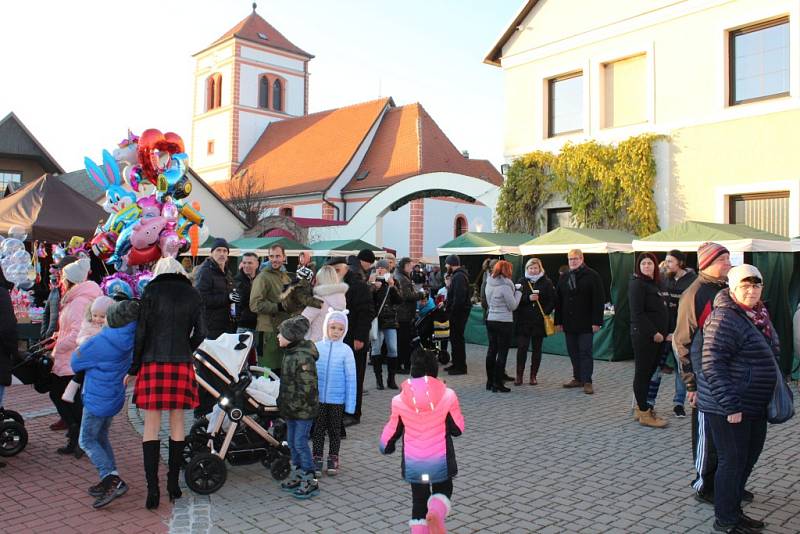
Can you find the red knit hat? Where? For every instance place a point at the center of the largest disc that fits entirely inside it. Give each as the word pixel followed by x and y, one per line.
pixel 708 252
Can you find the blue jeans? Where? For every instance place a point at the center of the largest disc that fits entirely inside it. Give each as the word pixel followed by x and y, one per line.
pixel 94 441
pixel 298 431
pixel 579 347
pixel 679 399
pixel 390 336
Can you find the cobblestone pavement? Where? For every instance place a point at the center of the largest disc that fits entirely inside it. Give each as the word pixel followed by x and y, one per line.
pixel 539 459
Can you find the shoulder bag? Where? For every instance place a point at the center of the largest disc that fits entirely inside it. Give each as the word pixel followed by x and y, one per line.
pixel 373 329
pixel 549 323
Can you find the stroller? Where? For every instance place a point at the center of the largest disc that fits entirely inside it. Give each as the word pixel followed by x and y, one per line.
pixel 431 329
pixel 244 427
pixel 32 369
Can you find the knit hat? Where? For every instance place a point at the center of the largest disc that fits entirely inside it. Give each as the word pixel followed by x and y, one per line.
pixel 708 252
pixel 101 304
pixel 678 255
pixel 294 328
pixel 742 272
pixel 77 272
pixel 382 264
pixel 220 243
pixel 367 256
pixel 453 261
pixel 121 313
pixel 337 260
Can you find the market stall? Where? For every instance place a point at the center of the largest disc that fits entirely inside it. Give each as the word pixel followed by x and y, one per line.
pixel 322 250
pixel 473 248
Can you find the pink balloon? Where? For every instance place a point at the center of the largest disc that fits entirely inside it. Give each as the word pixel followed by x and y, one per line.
pixel 170 211
pixel 170 244
pixel 145 232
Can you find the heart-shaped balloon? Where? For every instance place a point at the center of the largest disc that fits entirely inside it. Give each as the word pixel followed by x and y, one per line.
pixel 153 146
pixel 140 256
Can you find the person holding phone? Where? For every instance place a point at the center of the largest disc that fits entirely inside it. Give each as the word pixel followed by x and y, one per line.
pixel 538 298
pixel 386 299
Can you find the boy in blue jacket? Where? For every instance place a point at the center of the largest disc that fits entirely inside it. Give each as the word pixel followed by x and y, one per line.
pixel 336 376
pixel 106 358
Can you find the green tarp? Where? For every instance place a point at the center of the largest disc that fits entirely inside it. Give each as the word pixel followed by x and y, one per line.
pixel 592 240
pixel 473 247
pixel 343 245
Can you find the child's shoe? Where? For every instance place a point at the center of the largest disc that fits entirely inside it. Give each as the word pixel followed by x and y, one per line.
pixel 293 482
pixel 318 466
pixel 114 487
pixel 438 508
pixel 97 490
pixel 333 465
pixel 308 486
pixel 418 526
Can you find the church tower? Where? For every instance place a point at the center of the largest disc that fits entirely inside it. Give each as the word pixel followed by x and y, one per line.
pixel 244 80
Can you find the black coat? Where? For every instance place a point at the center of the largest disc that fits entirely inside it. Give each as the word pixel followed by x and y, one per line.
pixel 388 315
pixel 170 322
pixel 407 309
pixel 215 288
pixel 579 306
pixel 649 313
pixel 672 290
pixel 8 331
pixel 361 309
pixel 458 298
pixel 245 318
pixel 528 317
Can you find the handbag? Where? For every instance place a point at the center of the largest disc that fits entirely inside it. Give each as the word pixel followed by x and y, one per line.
pixel 781 406
pixel 373 328
pixel 549 323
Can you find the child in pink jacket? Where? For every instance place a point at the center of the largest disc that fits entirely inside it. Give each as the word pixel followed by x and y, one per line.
pixel 426 415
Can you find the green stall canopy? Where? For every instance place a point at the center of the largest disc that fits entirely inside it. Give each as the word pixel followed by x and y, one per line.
pixel 259 245
pixel 473 247
pixel 341 247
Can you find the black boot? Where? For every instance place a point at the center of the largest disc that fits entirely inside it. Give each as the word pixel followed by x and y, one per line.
pixel 150 451
pixel 175 464
pixel 377 367
pixel 72 441
pixel 392 364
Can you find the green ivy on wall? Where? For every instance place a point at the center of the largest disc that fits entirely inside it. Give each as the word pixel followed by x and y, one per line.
pixel 606 186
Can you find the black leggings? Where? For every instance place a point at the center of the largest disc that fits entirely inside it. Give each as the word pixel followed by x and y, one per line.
pixel 646 355
pixel 421 492
pixel 70 412
pixel 404 336
pixel 497 352
pixel 329 420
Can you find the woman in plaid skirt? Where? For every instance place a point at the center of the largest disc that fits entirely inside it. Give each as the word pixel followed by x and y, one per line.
pixel 170 329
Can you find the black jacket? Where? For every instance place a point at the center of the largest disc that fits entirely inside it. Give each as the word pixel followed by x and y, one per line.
pixel 388 315
pixel 360 307
pixel 579 303
pixel 245 318
pixel 458 302
pixel 170 322
pixel 215 288
pixel 672 290
pixel 8 331
pixel 407 309
pixel 739 369
pixel 528 318
pixel 649 314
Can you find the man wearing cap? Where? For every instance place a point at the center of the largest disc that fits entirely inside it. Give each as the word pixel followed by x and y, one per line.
pixel 266 302
pixel 458 307
pixel 694 306
pixel 215 286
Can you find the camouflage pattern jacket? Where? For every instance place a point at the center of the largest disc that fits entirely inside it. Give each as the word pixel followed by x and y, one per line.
pixel 299 393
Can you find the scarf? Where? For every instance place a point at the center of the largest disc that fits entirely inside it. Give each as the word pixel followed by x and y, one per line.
pixel 760 317
pixel 572 281
pixel 534 278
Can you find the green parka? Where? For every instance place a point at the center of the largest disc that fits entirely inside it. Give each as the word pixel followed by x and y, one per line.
pixel 299 393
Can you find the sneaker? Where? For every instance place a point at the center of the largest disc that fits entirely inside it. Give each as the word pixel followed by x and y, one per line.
pixel 98 490
pixel 318 466
pixel 573 384
pixel 333 466
pixel 114 487
pixel 733 529
pixel 751 523
pixel 307 487
pixel 293 482
pixel 747 496
pixel 679 411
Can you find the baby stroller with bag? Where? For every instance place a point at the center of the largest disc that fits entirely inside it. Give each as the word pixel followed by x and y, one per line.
pixel 431 329
pixel 244 426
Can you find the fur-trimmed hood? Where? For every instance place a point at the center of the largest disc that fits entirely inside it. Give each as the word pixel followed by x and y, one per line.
pixel 330 289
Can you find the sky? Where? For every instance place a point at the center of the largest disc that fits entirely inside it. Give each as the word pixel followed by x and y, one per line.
pixel 79 74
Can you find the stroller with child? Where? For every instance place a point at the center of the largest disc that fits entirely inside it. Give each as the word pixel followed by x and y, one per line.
pixel 432 332
pixel 244 427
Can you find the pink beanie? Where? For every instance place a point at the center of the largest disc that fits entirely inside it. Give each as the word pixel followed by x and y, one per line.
pixel 101 304
pixel 708 252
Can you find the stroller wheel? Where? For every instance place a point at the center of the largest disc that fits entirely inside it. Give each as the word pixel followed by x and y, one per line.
pixel 11 415
pixel 206 473
pixel 13 438
pixel 280 468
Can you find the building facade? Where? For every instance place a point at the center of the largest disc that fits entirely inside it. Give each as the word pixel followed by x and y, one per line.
pixel 718 78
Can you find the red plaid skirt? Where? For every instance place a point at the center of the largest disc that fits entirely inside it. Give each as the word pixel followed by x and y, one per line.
pixel 166 386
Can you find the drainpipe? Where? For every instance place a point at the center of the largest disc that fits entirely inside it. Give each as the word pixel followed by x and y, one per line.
pixel 331 204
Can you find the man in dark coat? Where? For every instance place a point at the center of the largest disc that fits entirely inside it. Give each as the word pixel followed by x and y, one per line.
pixel 361 311
pixel 242 284
pixel 579 314
pixel 215 286
pixel 458 307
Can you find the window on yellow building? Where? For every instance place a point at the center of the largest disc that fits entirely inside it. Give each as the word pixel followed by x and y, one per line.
pixel 625 92
pixel 765 211
pixel 565 104
pixel 759 62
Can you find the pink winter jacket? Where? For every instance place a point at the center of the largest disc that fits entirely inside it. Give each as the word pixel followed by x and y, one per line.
pixel 332 296
pixel 426 414
pixel 70 318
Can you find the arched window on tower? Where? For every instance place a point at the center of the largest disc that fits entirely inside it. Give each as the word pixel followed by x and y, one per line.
pixel 213 91
pixel 460 226
pixel 263 92
pixel 277 95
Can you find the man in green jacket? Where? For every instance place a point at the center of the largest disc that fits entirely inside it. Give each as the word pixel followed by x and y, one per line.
pixel 266 302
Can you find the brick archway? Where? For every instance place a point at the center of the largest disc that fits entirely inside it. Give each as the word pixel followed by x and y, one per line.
pixel 283 223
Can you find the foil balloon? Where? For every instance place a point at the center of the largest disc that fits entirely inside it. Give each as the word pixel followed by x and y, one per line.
pixel 103 244
pixel 155 152
pixel 146 231
pixel 170 211
pixel 110 179
pixel 138 256
pixel 118 221
pixel 150 206
pixel 170 244
pixel 16 231
pixel 118 283
pixel 140 282
pixel 173 181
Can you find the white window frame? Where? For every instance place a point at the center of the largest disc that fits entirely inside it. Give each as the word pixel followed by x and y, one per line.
pixel 723 194
pixel 557 72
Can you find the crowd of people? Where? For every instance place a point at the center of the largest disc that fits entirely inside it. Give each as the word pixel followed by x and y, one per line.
pixel 319 328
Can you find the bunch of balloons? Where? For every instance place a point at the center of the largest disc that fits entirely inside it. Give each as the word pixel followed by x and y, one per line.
pixel 132 286
pixel 145 224
pixel 15 260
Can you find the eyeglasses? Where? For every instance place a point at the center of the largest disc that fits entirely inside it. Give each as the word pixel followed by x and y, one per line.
pixel 750 287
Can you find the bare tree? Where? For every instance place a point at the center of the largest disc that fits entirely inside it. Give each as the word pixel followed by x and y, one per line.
pixel 246 194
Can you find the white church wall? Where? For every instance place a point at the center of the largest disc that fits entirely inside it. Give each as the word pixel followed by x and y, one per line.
pixel 221 222
pixel 262 56
pixel 312 211
pixel 215 127
pixel 396 230
pixel 439 222
pixel 251 126
pixel 214 176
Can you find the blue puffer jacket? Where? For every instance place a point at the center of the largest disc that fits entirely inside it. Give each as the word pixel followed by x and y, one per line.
pixel 106 358
pixel 336 369
pixel 738 365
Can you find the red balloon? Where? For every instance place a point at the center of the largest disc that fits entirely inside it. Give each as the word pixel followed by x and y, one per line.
pixel 146 255
pixel 152 143
pixel 103 244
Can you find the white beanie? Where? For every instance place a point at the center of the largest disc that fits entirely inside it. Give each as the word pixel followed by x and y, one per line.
pixel 741 272
pixel 78 271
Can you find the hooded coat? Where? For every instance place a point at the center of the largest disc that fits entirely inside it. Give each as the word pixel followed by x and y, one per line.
pixel 299 393
pixel 336 370
pixel 70 319
pixel 8 331
pixel 215 288
pixel 426 414
pixel 332 296
pixel 502 298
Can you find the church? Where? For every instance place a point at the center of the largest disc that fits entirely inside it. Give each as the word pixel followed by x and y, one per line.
pixel 376 171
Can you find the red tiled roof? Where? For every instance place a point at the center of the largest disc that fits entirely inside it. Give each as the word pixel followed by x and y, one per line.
pixel 306 154
pixel 408 143
pixel 253 25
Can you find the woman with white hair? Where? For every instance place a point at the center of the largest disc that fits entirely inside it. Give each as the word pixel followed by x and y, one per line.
pixel 170 329
pixel 331 291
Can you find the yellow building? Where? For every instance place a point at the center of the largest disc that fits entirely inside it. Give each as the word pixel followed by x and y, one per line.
pixel 720 78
